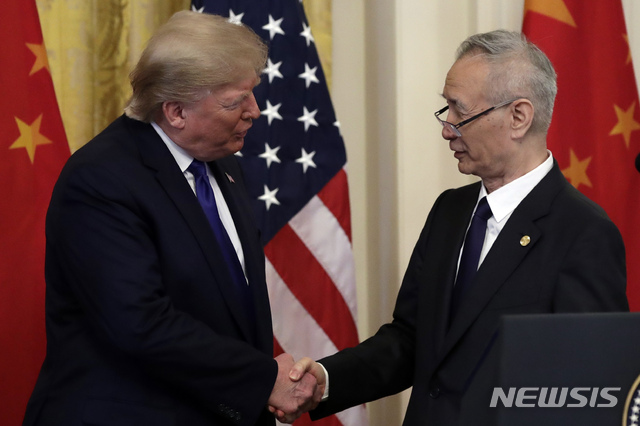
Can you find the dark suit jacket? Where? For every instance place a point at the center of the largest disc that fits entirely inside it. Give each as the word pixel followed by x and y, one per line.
pixel 143 324
pixel 575 262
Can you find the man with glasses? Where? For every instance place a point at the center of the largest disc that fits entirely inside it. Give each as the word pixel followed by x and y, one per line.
pixel 520 241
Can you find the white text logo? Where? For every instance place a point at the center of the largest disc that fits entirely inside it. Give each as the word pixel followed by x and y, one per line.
pixel 554 397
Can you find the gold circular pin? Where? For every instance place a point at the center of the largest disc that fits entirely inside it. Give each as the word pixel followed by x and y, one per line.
pixel 524 241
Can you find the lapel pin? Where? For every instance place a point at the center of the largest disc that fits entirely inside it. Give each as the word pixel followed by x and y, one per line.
pixel 229 177
pixel 524 241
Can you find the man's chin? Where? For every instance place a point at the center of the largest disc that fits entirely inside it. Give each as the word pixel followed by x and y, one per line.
pixel 237 145
pixel 230 148
pixel 464 168
pixel 234 146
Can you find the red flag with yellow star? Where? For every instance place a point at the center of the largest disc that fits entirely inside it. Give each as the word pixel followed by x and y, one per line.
pixel 594 132
pixel 34 148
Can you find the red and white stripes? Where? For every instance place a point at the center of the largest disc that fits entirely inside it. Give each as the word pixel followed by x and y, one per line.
pixel 311 281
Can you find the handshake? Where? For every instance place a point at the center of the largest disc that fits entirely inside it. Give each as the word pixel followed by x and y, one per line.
pixel 299 388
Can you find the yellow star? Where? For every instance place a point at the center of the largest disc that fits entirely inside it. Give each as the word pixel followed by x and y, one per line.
pixel 30 137
pixel 626 124
pixel 555 9
pixel 626 38
pixel 41 57
pixel 576 173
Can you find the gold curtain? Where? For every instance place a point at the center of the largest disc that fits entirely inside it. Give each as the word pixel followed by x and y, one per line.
pixel 319 17
pixel 93 44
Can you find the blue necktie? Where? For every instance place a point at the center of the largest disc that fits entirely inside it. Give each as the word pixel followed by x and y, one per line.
pixel 207 200
pixel 473 243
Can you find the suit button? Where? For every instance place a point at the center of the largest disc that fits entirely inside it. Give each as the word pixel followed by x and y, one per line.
pixel 434 392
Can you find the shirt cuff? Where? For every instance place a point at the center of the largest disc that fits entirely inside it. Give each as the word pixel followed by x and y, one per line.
pixel 325 396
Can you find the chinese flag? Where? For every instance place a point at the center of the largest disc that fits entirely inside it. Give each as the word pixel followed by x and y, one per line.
pixel 594 133
pixel 33 149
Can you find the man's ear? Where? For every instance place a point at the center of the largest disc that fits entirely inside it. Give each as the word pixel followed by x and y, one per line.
pixel 174 114
pixel 522 112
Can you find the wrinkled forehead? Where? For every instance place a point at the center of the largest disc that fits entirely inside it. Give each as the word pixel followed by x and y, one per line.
pixel 467 75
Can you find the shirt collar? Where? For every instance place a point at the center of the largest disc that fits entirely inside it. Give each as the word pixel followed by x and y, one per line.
pixel 183 159
pixel 504 200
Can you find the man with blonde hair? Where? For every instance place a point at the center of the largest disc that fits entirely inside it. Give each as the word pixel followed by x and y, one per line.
pixel 156 304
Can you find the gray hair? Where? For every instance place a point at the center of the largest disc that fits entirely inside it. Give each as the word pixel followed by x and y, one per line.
pixel 190 55
pixel 522 70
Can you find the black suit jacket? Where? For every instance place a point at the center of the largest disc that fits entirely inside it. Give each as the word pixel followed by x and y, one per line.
pixel 575 262
pixel 143 324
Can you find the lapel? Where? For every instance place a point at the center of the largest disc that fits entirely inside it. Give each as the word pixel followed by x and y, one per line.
pixel 506 254
pixel 229 178
pixel 452 236
pixel 157 157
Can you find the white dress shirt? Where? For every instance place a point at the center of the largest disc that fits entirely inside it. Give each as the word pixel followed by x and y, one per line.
pixel 504 200
pixel 184 160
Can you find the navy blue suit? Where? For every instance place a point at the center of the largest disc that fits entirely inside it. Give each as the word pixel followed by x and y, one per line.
pixel 143 324
pixel 575 262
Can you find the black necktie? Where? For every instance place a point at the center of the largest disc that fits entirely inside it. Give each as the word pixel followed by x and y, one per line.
pixel 473 243
pixel 207 200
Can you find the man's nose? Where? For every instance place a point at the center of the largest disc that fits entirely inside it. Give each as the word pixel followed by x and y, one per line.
pixel 448 133
pixel 252 111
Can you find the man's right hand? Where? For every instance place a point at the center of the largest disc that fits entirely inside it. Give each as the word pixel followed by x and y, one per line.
pixel 296 391
pixel 307 365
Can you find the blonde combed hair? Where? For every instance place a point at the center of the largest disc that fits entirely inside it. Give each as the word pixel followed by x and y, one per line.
pixel 193 53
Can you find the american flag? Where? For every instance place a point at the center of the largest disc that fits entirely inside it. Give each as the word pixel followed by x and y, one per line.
pixel 294 162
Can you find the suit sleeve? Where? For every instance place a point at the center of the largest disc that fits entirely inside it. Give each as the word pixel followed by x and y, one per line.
pixel 384 364
pixel 105 258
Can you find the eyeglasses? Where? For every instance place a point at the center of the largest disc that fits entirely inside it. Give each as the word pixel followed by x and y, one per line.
pixel 454 127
